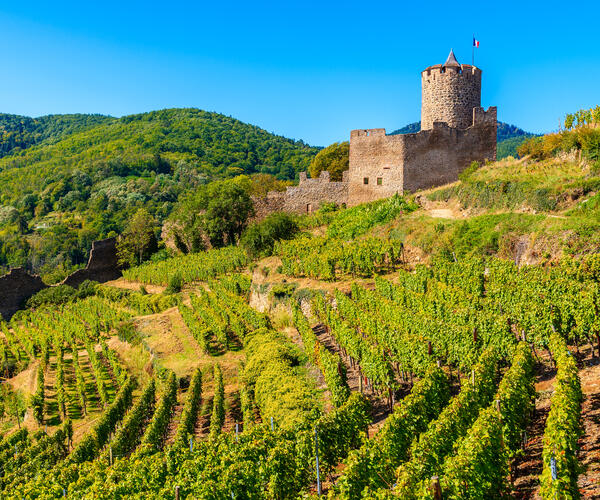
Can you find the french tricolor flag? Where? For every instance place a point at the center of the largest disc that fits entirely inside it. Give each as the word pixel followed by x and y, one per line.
pixel 475 43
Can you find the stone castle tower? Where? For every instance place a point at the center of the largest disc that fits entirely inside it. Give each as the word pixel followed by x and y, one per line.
pixel 450 91
pixel 455 131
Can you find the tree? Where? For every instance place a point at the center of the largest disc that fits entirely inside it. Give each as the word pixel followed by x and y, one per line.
pixel 334 158
pixel 13 403
pixel 138 241
pixel 259 238
pixel 217 212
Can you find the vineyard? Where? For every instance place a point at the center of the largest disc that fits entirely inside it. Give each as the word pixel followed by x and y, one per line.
pixel 455 378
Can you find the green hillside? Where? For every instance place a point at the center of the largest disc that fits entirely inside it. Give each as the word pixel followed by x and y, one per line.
pixel 443 341
pixel 21 132
pixel 66 180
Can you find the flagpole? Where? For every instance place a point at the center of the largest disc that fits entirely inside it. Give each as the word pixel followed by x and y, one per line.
pixel 473 51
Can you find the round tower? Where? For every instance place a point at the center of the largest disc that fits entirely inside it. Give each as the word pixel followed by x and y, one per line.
pixel 450 91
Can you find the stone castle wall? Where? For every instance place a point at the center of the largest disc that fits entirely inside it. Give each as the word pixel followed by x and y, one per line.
pixel 18 285
pixel 102 266
pixel 310 194
pixel 382 165
pixel 15 288
pixel 304 198
pixel 449 95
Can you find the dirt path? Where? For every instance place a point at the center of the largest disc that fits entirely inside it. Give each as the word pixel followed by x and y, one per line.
pixel 380 406
pixel 175 418
pixel 527 468
pixel 589 444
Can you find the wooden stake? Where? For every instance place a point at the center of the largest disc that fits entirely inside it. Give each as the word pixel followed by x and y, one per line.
pixel 436 489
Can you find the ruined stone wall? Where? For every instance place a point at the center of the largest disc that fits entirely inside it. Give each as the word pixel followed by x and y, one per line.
pixel 15 288
pixel 310 194
pixel 376 165
pixel 265 205
pixel 18 285
pixel 382 165
pixel 102 265
pixel 449 95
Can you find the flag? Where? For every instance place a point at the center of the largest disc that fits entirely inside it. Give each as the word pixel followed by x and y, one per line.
pixel 475 43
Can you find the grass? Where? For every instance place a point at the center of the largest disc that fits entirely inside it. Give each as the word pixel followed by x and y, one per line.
pixel 552 185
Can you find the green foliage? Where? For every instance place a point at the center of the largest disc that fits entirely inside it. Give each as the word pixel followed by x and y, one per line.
pixel 61 294
pixel 273 373
pixel 373 464
pixel 189 414
pixel 37 400
pixel 355 221
pixel 464 175
pixel 68 180
pixel 480 466
pixel 260 237
pixel 175 284
pixel 218 411
pixel 193 267
pixel 217 213
pixel 155 433
pixel 510 147
pixel 563 426
pixel 334 159
pixel 129 434
pixel 430 449
pixel 584 139
pixel 138 241
pixel 89 447
pixel 331 364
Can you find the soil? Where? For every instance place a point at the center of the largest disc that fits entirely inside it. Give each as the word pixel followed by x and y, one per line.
pixel 527 469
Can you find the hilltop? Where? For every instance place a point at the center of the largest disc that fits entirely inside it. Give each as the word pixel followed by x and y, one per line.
pixel 66 180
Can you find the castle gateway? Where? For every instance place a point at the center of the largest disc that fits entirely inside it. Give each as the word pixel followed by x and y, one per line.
pixel 455 131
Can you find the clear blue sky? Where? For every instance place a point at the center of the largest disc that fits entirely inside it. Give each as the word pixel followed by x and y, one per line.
pixel 306 70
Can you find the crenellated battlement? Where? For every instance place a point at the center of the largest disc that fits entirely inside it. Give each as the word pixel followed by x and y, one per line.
pixel 369 132
pixel 439 71
pixel 489 117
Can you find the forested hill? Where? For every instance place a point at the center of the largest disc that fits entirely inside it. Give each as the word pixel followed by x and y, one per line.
pixel 209 145
pixel 21 132
pixel 66 180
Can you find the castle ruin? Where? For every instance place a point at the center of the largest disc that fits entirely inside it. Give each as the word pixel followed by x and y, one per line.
pixel 455 131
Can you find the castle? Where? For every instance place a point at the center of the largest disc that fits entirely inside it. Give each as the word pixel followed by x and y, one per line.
pixel 455 131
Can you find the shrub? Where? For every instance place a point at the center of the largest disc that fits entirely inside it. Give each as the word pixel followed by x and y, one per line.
pixel 259 239
pixel 175 284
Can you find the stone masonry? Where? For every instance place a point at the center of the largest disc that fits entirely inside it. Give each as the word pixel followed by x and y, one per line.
pixel 304 198
pixel 455 131
pixel 18 285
